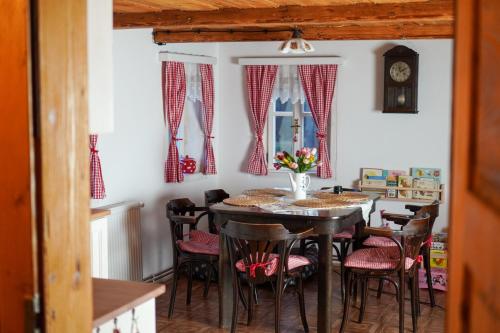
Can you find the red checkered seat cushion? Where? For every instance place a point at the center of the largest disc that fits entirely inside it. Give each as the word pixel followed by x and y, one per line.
pixel 376 259
pixel 377 241
pixel 270 268
pixel 346 233
pixel 200 242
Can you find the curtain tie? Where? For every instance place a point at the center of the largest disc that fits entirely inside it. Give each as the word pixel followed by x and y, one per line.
pixel 253 267
pixel 320 135
pixel 173 138
pixel 209 137
pixel 259 137
pixel 93 150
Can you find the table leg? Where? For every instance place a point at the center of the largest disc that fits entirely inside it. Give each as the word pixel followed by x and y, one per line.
pixel 325 284
pixel 225 282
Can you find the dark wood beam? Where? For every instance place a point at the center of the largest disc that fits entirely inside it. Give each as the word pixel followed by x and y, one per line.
pixel 340 32
pixel 432 11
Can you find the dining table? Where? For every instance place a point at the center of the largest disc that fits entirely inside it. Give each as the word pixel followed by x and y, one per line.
pixel 325 223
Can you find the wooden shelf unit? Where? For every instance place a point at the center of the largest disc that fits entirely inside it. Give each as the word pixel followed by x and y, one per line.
pixel 383 189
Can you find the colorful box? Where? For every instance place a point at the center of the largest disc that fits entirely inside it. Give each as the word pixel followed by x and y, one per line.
pixel 439 279
pixel 433 173
pixel 439 258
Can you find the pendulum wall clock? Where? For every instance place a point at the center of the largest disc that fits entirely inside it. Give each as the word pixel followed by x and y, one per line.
pixel 400 80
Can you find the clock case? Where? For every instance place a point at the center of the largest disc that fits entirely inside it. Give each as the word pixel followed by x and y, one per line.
pixel 393 89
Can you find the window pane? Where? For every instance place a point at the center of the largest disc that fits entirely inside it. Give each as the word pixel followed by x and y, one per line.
pixel 307 109
pixel 310 139
pixel 283 107
pixel 283 134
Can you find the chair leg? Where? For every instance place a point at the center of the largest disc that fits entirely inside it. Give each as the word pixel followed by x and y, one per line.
pixel 401 301
pixel 236 292
pixel 250 303
pixel 343 254
pixel 364 296
pixel 427 264
pixel 417 291
pixel 380 288
pixel 347 301
pixel 256 296
pixel 173 293
pixel 300 292
pixel 208 277
pixel 242 295
pixel 413 301
pixel 277 303
pixel 190 284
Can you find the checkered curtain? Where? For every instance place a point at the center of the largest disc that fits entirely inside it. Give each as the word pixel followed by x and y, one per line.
pixel 260 84
pixel 97 189
pixel 207 90
pixel 318 82
pixel 174 95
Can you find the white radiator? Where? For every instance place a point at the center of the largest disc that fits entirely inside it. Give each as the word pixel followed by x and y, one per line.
pixel 124 241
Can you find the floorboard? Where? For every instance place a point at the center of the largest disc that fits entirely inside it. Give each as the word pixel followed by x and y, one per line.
pixel 381 314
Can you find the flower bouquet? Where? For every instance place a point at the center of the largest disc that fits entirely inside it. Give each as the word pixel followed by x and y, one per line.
pixel 304 160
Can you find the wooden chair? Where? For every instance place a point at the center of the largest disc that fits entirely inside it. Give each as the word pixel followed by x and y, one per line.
pixel 383 262
pixel 212 197
pixel 202 247
pixel 251 254
pixel 425 250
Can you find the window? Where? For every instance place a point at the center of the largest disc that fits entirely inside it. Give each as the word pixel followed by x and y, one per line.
pixel 290 127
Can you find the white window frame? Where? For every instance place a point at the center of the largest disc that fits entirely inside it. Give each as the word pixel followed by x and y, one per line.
pixel 298 107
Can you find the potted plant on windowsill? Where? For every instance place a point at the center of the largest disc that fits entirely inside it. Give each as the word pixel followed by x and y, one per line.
pixel 305 159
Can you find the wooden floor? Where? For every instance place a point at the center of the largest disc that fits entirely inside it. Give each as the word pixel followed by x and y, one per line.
pixel 381 314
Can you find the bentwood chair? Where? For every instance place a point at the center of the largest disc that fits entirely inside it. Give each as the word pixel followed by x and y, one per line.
pixel 212 197
pixel 200 247
pixel 425 249
pixel 383 263
pixel 261 253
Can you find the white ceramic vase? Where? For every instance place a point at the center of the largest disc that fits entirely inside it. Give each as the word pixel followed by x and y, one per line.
pixel 300 182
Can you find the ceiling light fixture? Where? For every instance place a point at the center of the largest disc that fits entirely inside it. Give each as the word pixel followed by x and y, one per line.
pixel 296 44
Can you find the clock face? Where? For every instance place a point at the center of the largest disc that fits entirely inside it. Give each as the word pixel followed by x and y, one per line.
pixel 400 71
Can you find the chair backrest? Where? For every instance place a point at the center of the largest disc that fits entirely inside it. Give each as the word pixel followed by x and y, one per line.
pixel 177 207
pixel 212 197
pixel 433 211
pixel 345 189
pixel 255 245
pixel 414 233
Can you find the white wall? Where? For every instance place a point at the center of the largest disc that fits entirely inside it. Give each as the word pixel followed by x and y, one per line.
pixel 133 156
pixel 366 137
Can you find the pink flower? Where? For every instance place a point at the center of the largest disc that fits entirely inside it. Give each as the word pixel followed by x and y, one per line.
pixel 297 153
pixel 303 151
pixel 280 156
pixel 314 151
pixel 277 166
pixel 319 164
pixel 294 165
pixel 308 155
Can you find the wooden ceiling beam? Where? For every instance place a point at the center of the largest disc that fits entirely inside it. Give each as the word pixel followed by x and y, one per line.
pixel 432 11
pixel 383 30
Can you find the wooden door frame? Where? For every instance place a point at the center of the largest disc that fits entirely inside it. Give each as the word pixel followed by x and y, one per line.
pixel 61 117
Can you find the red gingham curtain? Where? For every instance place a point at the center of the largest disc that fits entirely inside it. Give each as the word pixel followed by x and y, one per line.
pixel 260 83
pixel 97 190
pixel 318 82
pixel 207 91
pixel 174 95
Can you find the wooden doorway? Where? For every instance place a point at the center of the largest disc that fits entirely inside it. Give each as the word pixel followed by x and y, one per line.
pixel 474 297
pixel 44 229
